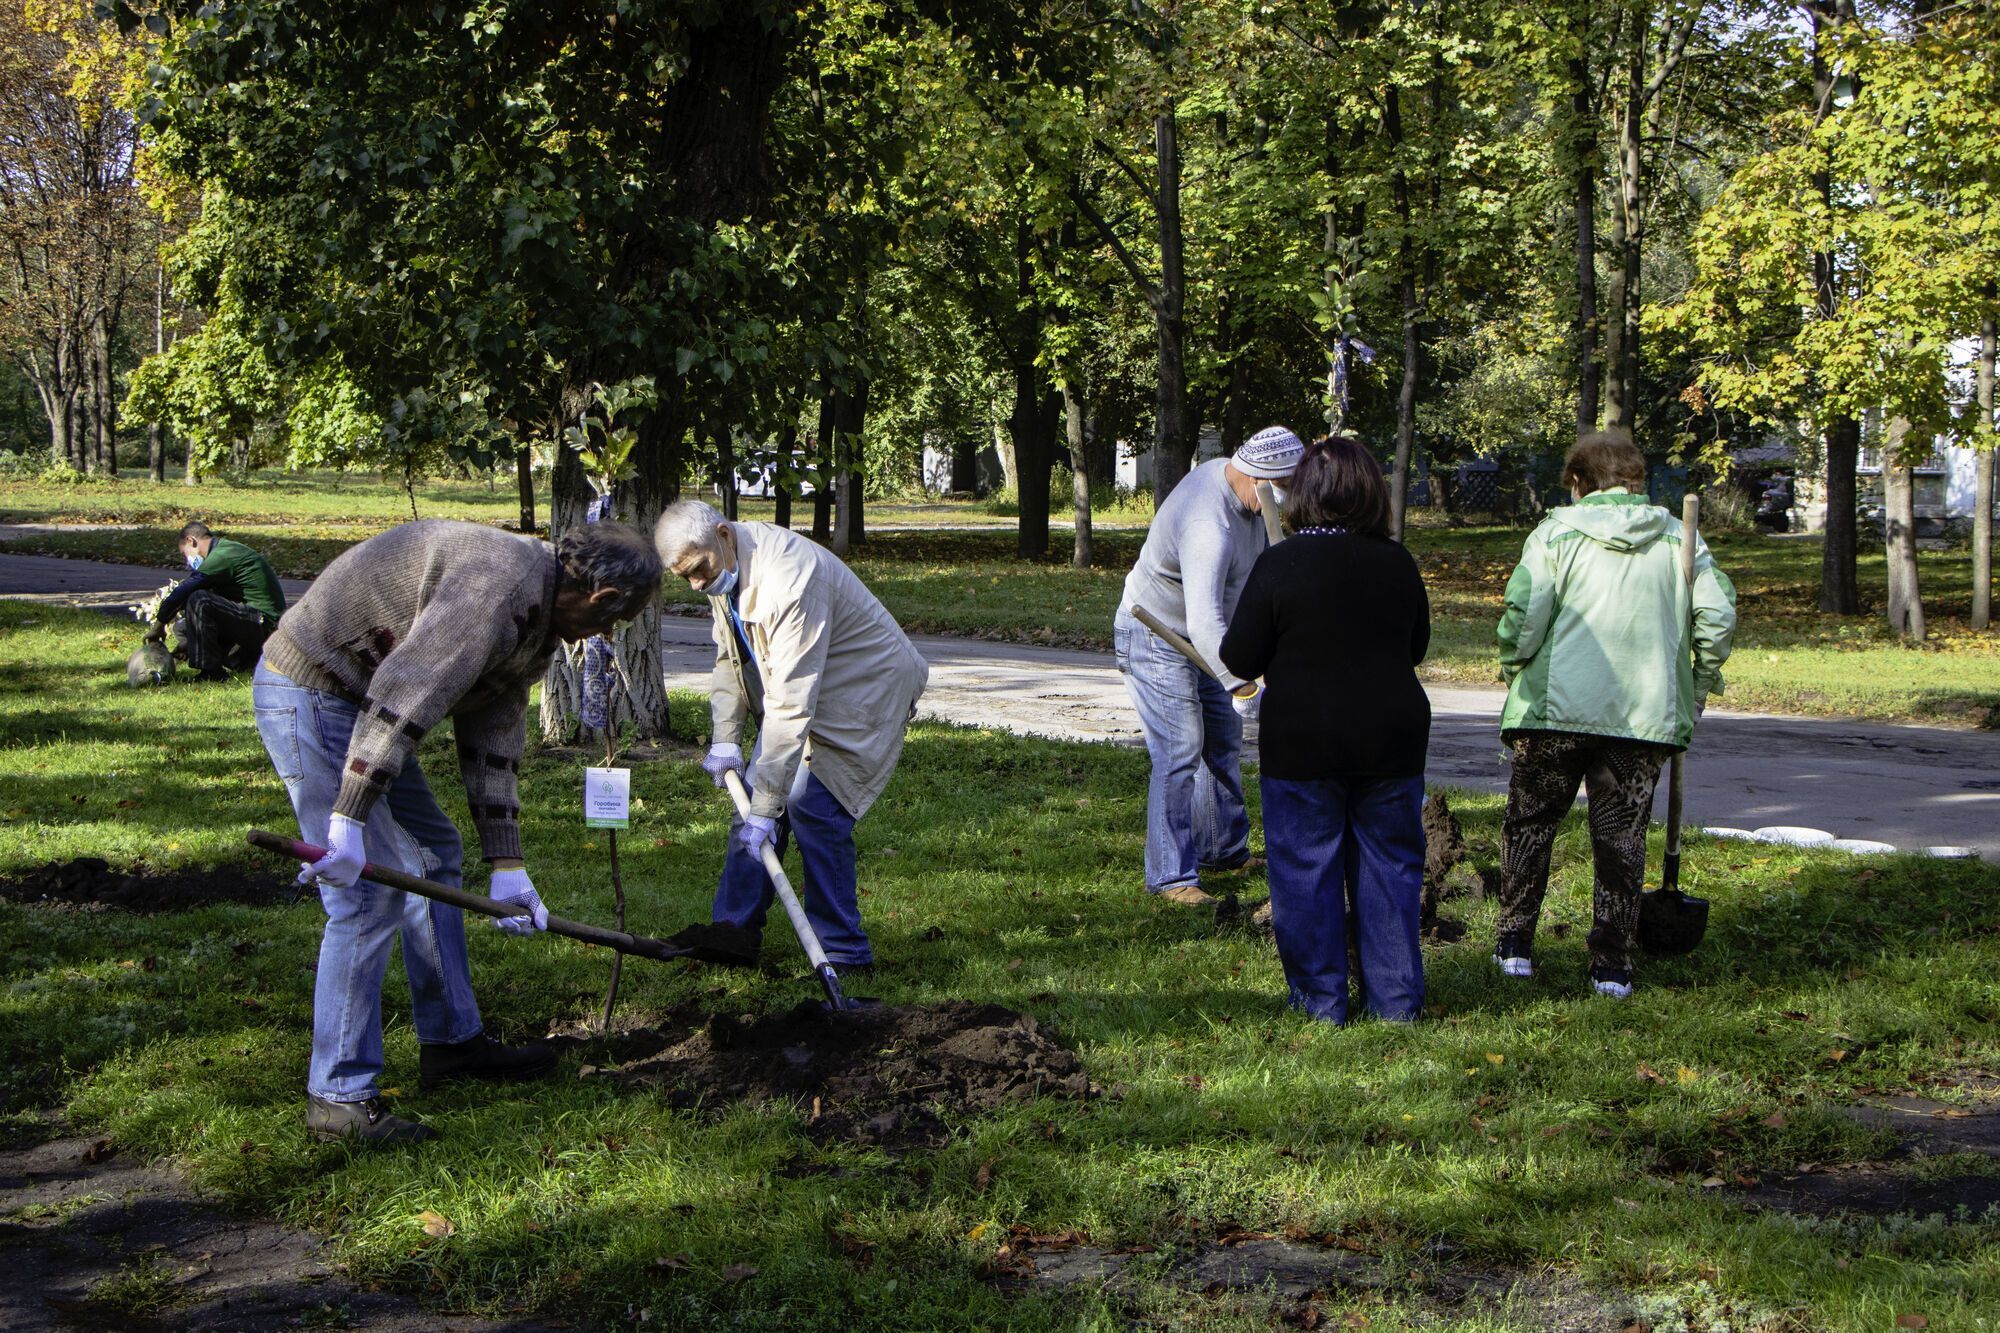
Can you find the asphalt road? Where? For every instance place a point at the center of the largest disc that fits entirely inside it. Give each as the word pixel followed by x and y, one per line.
pixel 1914 787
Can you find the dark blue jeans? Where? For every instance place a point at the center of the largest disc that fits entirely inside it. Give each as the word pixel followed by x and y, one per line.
pixel 830 893
pixel 1341 844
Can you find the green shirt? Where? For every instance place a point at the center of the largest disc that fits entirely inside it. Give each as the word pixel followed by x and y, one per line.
pixel 235 571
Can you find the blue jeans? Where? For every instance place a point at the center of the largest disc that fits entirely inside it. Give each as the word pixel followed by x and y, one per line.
pixel 1194 799
pixel 1344 850
pixel 306 733
pixel 830 893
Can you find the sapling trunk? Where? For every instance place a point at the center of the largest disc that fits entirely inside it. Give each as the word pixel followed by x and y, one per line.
pixel 617 891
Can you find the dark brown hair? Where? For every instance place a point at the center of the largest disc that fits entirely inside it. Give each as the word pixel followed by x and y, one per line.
pixel 1338 484
pixel 1605 459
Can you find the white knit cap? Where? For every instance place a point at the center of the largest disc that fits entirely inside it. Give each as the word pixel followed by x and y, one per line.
pixel 1272 454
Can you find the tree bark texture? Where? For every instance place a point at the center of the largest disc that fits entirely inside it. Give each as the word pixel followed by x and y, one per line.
pixel 1982 488
pixel 783 481
pixel 1034 447
pixel 1906 605
pixel 1583 131
pixel 524 480
pixel 156 441
pixel 850 418
pixel 1079 470
pixel 725 471
pixel 1839 590
pixel 823 483
pixel 1173 440
pixel 1406 291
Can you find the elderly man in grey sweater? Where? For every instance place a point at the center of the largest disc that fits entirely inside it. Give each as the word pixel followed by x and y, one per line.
pixel 831 679
pixel 426 621
pixel 1197 556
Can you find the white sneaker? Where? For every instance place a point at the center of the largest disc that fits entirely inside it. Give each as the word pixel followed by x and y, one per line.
pixel 1607 983
pixel 1514 967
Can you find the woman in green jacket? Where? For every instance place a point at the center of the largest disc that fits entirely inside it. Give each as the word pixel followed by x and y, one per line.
pixel 1608 656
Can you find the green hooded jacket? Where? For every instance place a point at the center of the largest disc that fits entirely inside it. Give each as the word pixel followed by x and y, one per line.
pixel 1602 633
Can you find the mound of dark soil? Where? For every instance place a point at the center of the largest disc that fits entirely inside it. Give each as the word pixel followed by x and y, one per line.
pixel 88 882
pixel 894 1076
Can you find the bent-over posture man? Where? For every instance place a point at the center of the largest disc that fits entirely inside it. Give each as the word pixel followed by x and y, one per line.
pixel 801 644
pixel 426 621
pixel 1190 573
pixel 229 604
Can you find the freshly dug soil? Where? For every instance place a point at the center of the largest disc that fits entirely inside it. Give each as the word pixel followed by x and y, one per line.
pixel 88 883
pixel 893 1076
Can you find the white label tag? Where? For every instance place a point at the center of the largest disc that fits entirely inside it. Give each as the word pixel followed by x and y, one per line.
pixel 607 797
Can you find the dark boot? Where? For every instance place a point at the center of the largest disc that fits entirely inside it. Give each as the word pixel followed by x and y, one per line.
pixel 363 1122
pixel 481 1057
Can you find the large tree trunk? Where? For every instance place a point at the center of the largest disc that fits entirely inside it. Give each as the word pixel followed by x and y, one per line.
pixel 1034 449
pixel 1079 469
pixel 1906 605
pixel 725 470
pixel 104 405
pixel 1982 489
pixel 1621 352
pixel 850 417
pixel 964 466
pixel 524 482
pixel 1173 440
pixel 782 481
pixel 156 441
pixel 823 468
pixel 1839 586
pixel 1583 130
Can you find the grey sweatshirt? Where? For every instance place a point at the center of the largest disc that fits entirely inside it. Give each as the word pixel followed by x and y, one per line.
pixel 1196 560
pixel 423 621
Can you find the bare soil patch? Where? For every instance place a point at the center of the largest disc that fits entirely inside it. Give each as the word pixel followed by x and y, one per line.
pixel 896 1076
pixel 93 1238
pixel 1946 1162
pixel 90 884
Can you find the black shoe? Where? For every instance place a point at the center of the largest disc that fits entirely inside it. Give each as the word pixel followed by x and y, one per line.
pixel 481 1057
pixel 1615 982
pixel 727 946
pixel 363 1122
pixel 1512 955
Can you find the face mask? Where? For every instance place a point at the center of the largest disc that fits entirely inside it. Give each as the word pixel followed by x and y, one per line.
pixel 194 562
pixel 722 584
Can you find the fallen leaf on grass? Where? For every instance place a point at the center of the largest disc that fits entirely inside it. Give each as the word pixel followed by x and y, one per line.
pixel 1495 1058
pixel 1912 1321
pixel 1836 1055
pixel 1685 1075
pixel 673 1263
pixel 1712 1183
pixel 979 1231
pixel 1650 1074
pixel 1775 1120
pixel 436 1224
pixel 739 1272
pixel 982 1177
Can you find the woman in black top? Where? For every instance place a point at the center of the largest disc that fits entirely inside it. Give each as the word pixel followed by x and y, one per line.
pixel 1335 621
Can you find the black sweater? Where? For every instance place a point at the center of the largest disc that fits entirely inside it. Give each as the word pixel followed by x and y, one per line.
pixel 1336 624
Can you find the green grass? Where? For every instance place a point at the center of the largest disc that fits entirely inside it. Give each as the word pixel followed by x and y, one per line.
pixel 1789 658
pixel 1510 1132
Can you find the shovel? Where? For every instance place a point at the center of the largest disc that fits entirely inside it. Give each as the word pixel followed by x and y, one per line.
pixel 829 979
pixel 639 945
pixel 1671 921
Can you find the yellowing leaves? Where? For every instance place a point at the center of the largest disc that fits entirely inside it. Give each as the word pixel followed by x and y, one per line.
pixel 435 1224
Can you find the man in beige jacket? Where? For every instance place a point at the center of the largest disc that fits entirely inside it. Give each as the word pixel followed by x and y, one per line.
pixel 806 649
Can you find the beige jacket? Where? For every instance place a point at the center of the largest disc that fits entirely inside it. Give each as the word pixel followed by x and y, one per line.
pixel 836 676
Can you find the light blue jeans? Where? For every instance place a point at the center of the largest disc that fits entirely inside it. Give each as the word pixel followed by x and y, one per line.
pixel 306 733
pixel 1195 817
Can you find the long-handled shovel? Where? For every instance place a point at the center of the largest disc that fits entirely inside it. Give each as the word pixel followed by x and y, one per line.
pixel 829 979
pixel 640 945
pixel 1671 921
pixel 1267 502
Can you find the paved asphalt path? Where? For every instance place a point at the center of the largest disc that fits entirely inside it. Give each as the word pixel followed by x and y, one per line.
pixel 1913 787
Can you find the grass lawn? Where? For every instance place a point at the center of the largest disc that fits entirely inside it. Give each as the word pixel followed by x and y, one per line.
pixel 1515 1132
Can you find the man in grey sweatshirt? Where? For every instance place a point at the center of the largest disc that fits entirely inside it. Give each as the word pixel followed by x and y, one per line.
pixel 1192 569
pixel 426 621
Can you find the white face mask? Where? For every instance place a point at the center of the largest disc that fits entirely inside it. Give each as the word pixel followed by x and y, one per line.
pixel 722 584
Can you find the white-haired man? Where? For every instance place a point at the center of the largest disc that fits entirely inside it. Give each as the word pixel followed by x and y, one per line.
pixel 833 680
pixel 1189 574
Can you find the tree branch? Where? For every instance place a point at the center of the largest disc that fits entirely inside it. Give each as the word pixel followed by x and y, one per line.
pixel 1147 287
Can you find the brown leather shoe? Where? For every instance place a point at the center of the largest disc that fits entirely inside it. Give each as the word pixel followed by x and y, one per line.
pixel 1188 895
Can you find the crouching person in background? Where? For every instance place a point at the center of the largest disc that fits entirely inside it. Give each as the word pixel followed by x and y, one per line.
pixel 426 621
pixel 228 605
pixel 833 681
pixel 1608 656
pixel 1335 619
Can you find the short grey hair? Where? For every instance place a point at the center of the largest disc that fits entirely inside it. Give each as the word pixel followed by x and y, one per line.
pixel 686 525
pixel 611 555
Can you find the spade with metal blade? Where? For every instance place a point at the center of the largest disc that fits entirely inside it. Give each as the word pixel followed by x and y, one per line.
pixel 829 979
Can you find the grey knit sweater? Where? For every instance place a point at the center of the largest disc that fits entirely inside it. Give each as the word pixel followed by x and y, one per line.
pixel 428 620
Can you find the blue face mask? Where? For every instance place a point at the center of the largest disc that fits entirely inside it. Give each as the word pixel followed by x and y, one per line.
pixel 722 584
pixel 194 562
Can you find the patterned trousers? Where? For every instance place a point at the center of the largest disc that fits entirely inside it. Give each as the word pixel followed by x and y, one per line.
pixel 221 635
pixel 1619 777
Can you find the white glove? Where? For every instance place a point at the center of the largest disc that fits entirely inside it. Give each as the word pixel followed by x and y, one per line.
pixel 724 757
pixel 514 888
pixel 1247 705
pixel 345 855
pixel 756 834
